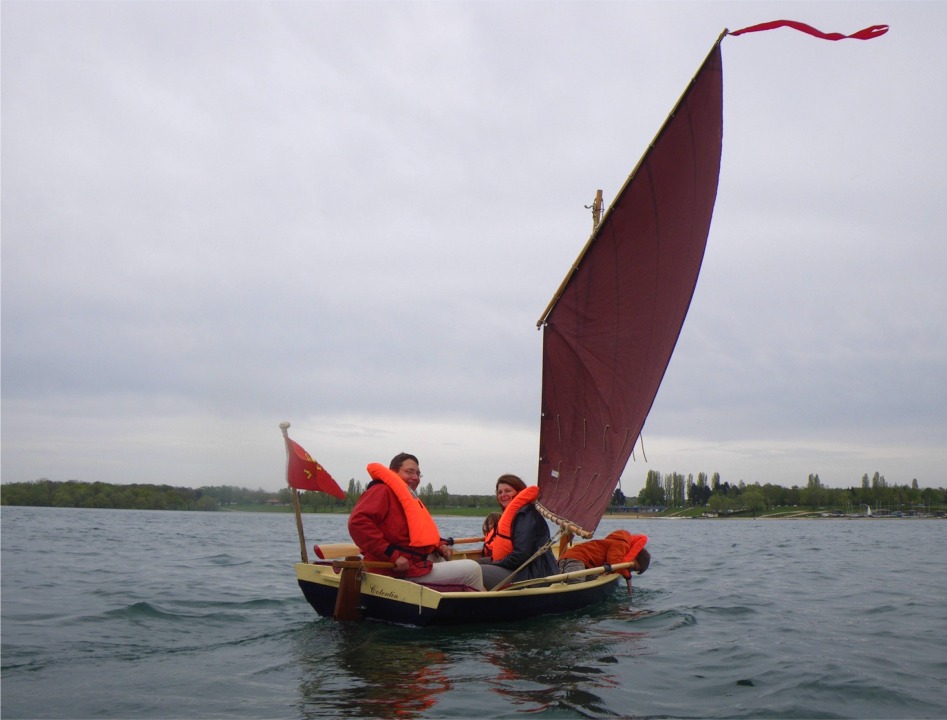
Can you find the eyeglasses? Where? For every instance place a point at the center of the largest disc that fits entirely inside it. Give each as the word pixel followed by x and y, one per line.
pixel 411 471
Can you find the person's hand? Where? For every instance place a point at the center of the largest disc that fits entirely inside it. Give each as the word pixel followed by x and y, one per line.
pixel 401 565
pixel 445 551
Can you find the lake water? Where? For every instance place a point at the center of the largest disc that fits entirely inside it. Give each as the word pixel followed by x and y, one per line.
pixel 139 614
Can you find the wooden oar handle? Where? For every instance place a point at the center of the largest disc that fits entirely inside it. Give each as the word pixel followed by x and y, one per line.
pixel 367 564
pixel 561 577
pixel 463 541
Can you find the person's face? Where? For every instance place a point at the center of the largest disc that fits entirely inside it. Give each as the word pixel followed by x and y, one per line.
pixel 410 473
pixel 505 493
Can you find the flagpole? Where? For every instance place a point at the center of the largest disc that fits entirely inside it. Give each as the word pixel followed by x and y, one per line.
pixel 284 426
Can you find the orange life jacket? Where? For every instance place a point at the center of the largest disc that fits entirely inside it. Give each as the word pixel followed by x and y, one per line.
pixel 421 526
pixel 636 544
pixel 503 542
pixel 598 552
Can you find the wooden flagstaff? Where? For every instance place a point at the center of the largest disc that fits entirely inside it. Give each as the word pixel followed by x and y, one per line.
pixel 284 426
pixel 596 210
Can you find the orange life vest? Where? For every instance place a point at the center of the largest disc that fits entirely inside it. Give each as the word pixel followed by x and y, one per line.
pixel 636 544
pixel 598 552
pixel 421 526
pixel 503 542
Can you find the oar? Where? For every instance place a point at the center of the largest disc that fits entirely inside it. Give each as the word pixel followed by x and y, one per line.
pixel 600 570
pixel 347 600
pixel 353 562
pixel 335 550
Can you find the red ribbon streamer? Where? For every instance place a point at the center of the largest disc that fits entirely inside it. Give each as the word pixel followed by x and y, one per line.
pixel 868 33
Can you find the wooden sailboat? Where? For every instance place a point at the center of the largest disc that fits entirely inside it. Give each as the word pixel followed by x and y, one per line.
pixel 608 336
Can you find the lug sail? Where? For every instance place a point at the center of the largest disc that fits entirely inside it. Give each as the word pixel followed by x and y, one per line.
pixel 609 332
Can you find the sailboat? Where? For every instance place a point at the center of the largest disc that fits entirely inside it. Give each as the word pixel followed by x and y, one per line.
pixel 608 335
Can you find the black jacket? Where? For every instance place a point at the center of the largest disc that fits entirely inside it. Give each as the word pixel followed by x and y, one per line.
pixel 529 533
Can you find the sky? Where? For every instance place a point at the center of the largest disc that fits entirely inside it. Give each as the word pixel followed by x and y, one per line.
pixel 350 215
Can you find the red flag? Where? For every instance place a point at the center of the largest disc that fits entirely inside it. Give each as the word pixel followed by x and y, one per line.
pixel 304 473
pixel 867 34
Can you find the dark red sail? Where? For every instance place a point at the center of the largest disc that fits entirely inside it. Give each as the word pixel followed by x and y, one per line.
pixel 609 334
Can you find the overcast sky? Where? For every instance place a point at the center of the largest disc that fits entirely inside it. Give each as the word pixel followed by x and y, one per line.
pixel 349 215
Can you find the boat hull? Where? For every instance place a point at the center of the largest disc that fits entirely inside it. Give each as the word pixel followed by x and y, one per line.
pixel 400 601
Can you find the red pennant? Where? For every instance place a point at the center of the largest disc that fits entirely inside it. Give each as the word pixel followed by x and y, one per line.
pixel 869 33
pixel 304 473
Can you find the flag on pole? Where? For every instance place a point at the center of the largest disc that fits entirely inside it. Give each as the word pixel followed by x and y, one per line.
pixel 869 33
pixel 304 473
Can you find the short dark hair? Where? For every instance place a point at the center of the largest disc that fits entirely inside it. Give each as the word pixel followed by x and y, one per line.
pixel 398 460
pixel 643 560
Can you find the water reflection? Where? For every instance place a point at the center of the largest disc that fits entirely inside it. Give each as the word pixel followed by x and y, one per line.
pixel 572 663
pixel 369 670
pixel 561 664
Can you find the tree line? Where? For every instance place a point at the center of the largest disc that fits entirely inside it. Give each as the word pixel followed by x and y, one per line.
pixel 75 493
pixel 672 490
pixel 78 494
pixel 675 491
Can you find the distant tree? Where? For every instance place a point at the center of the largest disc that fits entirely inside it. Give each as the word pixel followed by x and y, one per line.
pixel 352 492
pixel 702 490
pixel 653 492
pixel 814 495
pixel 752 499
pixel 718 503
pixel 206 503
pixel 774 495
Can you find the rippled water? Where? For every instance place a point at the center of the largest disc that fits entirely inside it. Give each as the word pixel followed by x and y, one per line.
pixel 114 614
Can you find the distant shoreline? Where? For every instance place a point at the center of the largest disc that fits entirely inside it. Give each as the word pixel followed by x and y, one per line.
pixel 797 516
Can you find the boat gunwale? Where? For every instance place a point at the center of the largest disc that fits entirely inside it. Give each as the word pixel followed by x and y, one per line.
pixel 327 572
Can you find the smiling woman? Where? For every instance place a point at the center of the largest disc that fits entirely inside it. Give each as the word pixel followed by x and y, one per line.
pixel 521 548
